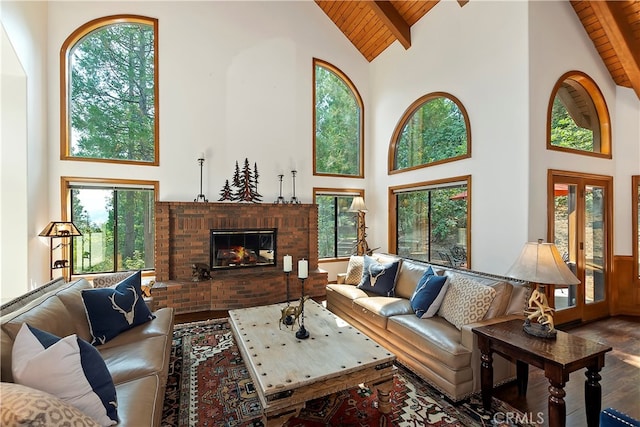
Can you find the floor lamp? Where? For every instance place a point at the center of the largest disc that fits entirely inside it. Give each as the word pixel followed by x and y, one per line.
pixel 357 205
pixel 541 264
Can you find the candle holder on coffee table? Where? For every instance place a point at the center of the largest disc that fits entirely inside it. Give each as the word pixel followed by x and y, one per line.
pixel 302 333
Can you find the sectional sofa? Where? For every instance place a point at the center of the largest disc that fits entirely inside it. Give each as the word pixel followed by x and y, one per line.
pixel 137 359
pixel 438 344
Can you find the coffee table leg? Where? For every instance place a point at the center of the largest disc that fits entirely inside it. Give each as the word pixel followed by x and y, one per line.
pixel 384 390
pixel 592 396
pixel 557 407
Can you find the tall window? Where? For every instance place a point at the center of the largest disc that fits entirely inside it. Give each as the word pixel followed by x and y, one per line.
pixel 635 207
pixel 117 222
pixel 337 227
pixel 109 91
pixel 338 123
pixel 434 129
pixel 432 221
pixel 578 119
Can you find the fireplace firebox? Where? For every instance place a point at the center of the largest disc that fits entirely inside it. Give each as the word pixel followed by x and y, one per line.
pixel 243 248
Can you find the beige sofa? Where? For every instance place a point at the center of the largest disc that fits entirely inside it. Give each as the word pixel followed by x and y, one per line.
pixel 445 356
pixel 137 359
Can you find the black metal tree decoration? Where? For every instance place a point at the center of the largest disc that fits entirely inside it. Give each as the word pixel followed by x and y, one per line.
pixel 303 273
pixel 245 183
pixel 201 197
pixel 226 193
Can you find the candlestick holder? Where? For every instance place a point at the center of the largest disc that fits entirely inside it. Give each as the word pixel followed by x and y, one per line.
pixel 294 199
pixel 302 333
pixel 201 197
pixel 288 319
pixel 280 199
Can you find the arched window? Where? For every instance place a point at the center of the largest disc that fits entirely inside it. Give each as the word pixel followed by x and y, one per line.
pixel 109 91
pixel 577 117
pixel 434 129
pixel 338 137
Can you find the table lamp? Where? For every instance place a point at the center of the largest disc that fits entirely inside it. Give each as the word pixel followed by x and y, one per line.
pixel 541 264
pixel 357 205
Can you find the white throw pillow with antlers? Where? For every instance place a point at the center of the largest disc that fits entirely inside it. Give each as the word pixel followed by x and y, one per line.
pixel 111 311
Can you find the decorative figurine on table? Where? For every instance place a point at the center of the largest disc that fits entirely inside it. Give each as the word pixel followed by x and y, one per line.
pixel 291 313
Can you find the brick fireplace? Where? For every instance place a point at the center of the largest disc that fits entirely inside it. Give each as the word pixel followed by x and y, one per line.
pixel 183 231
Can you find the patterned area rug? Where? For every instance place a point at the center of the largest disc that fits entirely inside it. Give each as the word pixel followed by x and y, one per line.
pixel 209 385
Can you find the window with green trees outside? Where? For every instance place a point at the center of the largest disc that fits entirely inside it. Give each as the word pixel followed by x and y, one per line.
pixel 432 222
pixel 117 226
pixel 434 129
pixel 337 227
pixel 338 123
pixel 109 96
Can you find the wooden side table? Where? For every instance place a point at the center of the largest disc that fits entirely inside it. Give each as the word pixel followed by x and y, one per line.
pixel 557 357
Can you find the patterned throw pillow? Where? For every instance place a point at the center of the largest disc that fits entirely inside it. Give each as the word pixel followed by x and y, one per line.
pixel 68 368
pixel 424 300
pixel 25 406
pixel 354 270
pixel 466 301
pixel 379 278
pixel 111 311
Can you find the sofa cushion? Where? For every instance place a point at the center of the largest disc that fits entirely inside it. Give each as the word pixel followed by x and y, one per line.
pixel 69 368
pixel 378 309
pixel 354 270
pixel 113 310
pixel 26 406
pixel 466 300
pixel 379 278
pixel 500 302
pixel 410 273
pixel 429 293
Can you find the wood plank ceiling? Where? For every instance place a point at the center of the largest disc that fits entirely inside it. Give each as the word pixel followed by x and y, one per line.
pixel 613 26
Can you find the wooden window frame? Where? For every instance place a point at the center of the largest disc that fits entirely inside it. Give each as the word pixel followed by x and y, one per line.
pixel 336 192
pixel 69 43
pixel 408 113
pixel 393 224
pixel 356 94
pixel 601 109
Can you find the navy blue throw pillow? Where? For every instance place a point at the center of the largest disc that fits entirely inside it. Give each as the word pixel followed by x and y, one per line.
pixel 379 278
pixel 111 311
pixel 427 291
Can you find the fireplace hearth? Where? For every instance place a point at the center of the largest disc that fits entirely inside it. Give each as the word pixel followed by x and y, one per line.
pixel 243 248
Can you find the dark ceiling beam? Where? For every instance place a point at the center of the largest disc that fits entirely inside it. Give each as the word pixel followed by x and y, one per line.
pixel 393 21
pixel 620 35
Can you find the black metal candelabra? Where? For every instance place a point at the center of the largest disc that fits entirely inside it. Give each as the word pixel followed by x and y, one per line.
pixel 294 199
pixel 280 199
pixel 302 333
pixel 201 197
pixel 288 320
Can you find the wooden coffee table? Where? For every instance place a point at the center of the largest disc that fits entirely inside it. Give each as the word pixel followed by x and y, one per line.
pixel 558 357
pixel 287 371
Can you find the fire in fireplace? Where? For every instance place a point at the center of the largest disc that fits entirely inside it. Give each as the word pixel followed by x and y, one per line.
pixel 243 248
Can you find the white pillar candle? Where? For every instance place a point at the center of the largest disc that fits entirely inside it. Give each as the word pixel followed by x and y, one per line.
pixel 201 156
pixel 287 263
pixel 303 269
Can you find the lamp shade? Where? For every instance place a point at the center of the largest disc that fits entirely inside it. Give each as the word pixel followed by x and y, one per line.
pixel 357 205
pixel 541 263
pixel 60 229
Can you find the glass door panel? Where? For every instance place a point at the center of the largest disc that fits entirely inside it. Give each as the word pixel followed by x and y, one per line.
pixel 594 244
pixel 565 226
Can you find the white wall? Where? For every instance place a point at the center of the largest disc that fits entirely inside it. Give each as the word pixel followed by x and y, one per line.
pixel 478 53
pixel 235 83
pixel 25 24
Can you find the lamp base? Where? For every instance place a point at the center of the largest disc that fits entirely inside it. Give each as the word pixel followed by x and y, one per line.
pixel 538 330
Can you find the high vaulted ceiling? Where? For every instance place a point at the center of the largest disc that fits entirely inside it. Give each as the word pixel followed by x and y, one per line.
pixel 613 26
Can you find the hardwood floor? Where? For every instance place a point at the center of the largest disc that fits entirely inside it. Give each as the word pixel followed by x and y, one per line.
pixel 620 376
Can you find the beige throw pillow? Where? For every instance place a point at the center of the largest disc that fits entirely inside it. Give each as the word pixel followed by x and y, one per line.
pixel 466 301
pixel 354 270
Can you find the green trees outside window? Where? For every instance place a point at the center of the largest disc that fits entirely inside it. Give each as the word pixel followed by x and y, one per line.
pixel 431 224
pixel 118 229
pixel 434 129
pixel 338 123
pixel 110 94
pixel 337 232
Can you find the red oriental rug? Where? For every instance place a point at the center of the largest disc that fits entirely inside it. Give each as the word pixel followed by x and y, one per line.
pixel 208 385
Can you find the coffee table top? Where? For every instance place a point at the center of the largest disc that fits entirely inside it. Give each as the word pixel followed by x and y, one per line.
pixel 282 362
pixel 563 350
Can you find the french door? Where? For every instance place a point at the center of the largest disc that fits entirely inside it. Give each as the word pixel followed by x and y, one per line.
pixel 580 212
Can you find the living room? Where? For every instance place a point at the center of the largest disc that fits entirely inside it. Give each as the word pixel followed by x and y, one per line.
pixel 236 82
